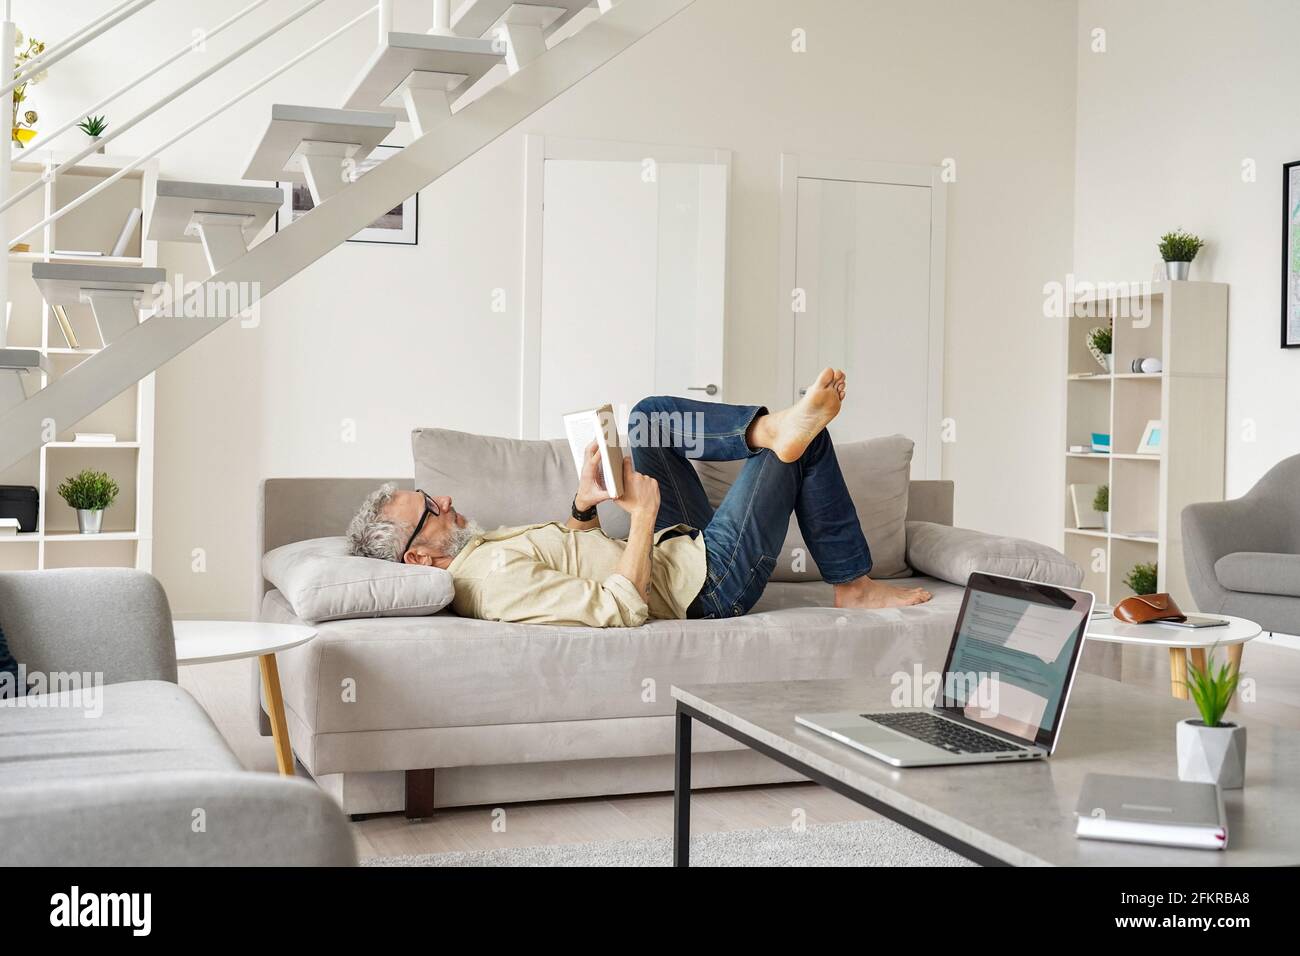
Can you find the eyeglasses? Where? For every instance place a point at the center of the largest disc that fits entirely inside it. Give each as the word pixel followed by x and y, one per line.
pixel 429 509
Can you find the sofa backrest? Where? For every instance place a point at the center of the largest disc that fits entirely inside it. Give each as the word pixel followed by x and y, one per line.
pixel 295 509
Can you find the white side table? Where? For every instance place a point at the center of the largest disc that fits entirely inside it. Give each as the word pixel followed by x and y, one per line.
pixel 1181 641
pixel 203 642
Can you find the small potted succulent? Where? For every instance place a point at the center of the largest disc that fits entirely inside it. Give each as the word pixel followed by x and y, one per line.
pixel 90 492
pixel 1101 502
pixel 1178 249
pixel 93 127
pixel 1100 344
pixel 1142 578
pixel 1209 750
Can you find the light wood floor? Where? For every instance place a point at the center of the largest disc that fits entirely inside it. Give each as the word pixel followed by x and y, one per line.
pixel 224 691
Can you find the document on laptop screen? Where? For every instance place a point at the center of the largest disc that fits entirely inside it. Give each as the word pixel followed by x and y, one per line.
pixel 1011 662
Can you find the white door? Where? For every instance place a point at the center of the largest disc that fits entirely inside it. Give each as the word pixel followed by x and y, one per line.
pixel 632 275
pixel 864 270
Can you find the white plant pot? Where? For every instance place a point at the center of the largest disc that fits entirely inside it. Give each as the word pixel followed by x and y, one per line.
pixel 1105 521
pixel 1109 363
pixel 89 522
pixel 1212 754
pixel 93 141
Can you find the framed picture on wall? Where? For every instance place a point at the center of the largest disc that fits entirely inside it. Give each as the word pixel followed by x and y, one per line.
pixel 1291 255
pixel 399 226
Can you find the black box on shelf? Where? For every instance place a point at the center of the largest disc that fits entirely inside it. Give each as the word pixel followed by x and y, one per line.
pixel 20 501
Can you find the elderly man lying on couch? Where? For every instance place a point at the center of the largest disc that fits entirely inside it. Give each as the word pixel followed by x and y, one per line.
pixel 681 559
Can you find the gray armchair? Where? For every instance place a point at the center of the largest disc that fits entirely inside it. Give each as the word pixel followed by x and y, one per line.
pixel 1243 556
pixel 126 768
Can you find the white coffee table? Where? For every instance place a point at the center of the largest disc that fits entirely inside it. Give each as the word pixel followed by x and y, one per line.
pixel 1181 641
pixel 203 642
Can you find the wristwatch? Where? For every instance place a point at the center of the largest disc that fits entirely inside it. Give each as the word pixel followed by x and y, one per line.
pixel 588 515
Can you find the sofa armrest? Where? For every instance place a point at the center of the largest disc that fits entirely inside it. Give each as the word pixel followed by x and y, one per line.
pixel 110 621
pixel 191 818
pixel 951 554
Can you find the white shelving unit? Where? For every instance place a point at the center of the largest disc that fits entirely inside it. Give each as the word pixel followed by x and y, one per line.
pixel 127 538
pixel 1185 325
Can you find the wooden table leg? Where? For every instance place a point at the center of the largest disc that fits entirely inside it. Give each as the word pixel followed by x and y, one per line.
pixel 1234 655
pixel 1178 672
pixel 275 703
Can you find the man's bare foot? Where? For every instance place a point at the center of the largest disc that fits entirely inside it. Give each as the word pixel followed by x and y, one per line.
pixel 789 431
pixel 866 593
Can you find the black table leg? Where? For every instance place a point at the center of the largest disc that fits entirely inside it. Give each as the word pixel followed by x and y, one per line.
pixel 682 793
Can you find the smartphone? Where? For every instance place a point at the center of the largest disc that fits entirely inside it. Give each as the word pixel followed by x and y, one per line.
pixel 1194 621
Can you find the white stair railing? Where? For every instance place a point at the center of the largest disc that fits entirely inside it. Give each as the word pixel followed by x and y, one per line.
pixel 141 349
pixel 120 128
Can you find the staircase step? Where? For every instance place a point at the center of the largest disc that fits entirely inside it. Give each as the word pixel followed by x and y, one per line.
pixel 354 132
pixel 23 360
pixel 116 294
pixel 442 62
pixel 477 18
pixel 61 283
pixel 177 203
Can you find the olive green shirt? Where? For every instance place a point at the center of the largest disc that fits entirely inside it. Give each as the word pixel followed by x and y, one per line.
pixel 550 574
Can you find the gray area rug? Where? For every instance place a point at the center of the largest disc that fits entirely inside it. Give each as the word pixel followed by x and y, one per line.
pixel 862 843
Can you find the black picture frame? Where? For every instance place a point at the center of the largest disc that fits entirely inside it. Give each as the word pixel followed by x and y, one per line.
pixel 414 201
pixel 1290 171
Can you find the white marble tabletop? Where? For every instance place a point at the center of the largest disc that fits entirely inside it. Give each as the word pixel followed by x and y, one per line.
pixel 202 642
pixel 1109 629
pixel 1023 813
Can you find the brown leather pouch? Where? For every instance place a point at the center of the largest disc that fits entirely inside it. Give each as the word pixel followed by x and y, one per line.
pixel 1145 608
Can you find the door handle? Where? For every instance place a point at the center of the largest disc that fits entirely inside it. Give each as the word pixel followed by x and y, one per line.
pixel 706 389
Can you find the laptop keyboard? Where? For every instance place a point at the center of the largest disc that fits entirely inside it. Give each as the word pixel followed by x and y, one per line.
pixel 945 734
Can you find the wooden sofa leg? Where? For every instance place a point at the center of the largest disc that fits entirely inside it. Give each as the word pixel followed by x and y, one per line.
pixel 419 794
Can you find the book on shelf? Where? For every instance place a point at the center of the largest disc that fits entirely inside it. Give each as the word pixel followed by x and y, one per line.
pixel 94 438
pixel 76 254
pixel 128 227
pixel 1151 810
pixel 61 316
pixel 8 526
pixel 598 425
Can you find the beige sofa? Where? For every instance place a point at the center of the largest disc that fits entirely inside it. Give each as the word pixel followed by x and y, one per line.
pixel 448 711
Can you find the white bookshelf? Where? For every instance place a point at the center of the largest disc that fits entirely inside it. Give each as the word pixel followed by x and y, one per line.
pixel 1185 325
pixel 127 538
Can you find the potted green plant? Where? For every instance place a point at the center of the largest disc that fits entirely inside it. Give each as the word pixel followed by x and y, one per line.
pixel 1100 344
pixel 93 127
pixel 1178 249
pixel 1209 750
pixel 1101 502
pixel 1143 578
pixel 90 492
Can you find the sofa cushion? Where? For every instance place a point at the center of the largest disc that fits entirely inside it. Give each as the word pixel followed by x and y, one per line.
pixel 1260 572
pixel 877 472
pixel 416 674
pixel 141 727
pixel 325 583
pixel 951 554
pixel 503 482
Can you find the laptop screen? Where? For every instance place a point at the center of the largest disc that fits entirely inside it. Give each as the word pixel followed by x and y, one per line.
pixel 1013 656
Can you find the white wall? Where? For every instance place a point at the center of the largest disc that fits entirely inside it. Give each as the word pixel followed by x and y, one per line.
pixel 393 338
pixel 1184 94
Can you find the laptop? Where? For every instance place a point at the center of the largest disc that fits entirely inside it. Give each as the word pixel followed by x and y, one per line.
pixel 1005 683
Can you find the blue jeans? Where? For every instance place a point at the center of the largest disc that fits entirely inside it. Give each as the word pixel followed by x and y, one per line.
pixel 743 538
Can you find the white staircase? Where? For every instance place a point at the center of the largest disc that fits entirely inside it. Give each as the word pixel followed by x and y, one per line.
pixel 420 78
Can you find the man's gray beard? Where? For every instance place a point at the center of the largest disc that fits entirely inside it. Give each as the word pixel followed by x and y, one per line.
pixel 462 536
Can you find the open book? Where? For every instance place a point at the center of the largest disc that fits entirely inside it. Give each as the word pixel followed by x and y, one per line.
pixel 598 425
